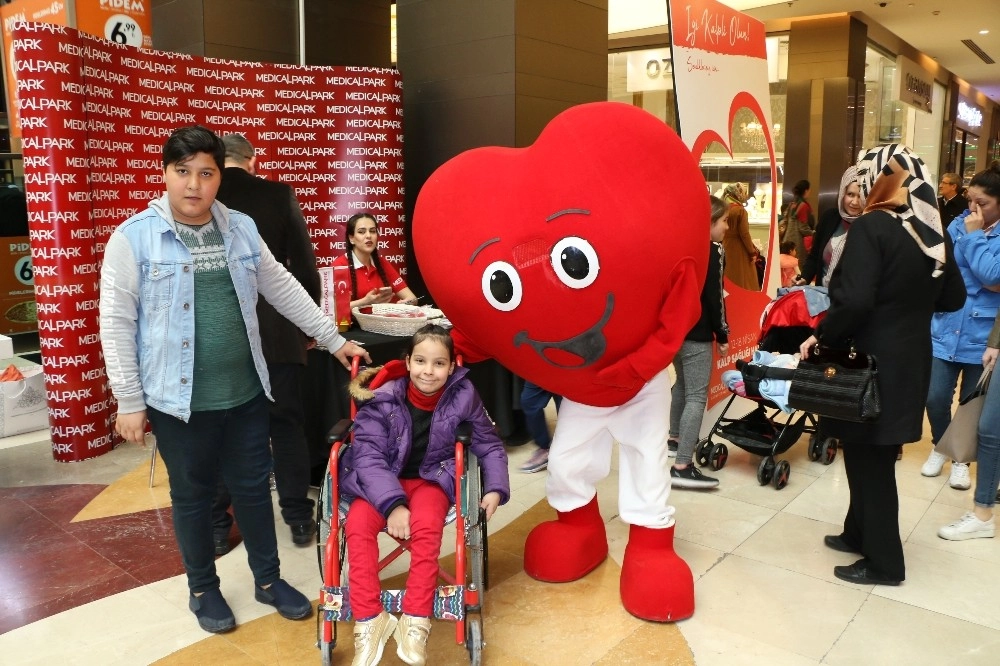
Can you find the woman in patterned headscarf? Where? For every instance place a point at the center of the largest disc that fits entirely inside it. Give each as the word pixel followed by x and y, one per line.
pixel 896 270
pixel 738 247
pixel 831 232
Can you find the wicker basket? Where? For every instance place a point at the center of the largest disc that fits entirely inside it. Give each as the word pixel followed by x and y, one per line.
pixel 382 319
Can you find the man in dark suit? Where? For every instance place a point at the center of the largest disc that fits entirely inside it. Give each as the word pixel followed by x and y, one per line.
pixel 273 207
pixel 951 202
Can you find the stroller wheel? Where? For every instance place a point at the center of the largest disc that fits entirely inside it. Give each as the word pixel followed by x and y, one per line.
pixel 781 473
pixel 830 445
pixel 815 448
pixel 718 456
pixel 702 451
pixel 765 470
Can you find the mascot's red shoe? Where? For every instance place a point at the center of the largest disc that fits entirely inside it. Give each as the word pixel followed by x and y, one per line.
pixel 558 551
pixel 656 584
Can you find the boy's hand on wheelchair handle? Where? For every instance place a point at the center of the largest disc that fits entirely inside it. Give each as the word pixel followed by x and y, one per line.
pixel 398 523
pixel 490 503
pixel 348 350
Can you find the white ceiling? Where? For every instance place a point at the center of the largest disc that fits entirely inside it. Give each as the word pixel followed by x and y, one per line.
pixel 914 21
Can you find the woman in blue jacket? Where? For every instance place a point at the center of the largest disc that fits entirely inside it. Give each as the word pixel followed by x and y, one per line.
pixel 400 476
pixel 959 338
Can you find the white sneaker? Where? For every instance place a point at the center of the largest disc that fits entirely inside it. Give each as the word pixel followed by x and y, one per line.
pixel 968 527
pixel 959 479
pixel 935 462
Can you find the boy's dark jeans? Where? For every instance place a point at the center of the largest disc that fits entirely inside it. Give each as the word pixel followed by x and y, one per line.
pixel 232 443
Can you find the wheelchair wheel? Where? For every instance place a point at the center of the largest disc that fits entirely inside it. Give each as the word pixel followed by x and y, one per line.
pixel 323 517
pixel 476 536
pixel 474 640
pixel 324 514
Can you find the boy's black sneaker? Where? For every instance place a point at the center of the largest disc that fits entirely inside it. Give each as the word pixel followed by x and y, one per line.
pixel 672 448
pixel 691 477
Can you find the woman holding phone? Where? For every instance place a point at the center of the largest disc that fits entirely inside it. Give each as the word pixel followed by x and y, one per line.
pixel 372 280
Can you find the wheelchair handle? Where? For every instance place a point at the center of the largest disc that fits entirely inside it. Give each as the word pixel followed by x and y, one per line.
pixel 340 431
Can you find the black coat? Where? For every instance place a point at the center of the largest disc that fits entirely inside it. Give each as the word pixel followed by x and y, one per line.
pixel 712 324
pixel 279 220
pixel 812 267
pixel 882 296
pixel 952 209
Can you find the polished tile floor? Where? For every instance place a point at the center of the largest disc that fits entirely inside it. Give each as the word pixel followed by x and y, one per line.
pixel 89 574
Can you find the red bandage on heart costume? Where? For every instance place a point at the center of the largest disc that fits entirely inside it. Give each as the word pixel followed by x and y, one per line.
pixel 578 263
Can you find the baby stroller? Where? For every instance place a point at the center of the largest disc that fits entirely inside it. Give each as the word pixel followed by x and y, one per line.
pixel 458 599
pixel 787 321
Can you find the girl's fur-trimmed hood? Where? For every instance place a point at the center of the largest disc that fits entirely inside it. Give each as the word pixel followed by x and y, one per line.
pixel 360 389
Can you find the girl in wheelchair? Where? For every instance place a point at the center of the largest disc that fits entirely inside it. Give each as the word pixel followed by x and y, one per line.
pixel 399 475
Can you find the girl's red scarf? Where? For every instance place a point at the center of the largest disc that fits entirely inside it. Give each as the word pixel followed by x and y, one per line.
pixel 421 401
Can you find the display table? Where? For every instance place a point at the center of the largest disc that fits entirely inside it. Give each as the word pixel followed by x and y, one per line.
pixel 325 398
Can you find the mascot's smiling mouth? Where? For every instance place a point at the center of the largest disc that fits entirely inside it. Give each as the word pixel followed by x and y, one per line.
pixel 576 352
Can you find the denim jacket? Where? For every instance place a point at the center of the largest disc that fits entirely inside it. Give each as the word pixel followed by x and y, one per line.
pixel 147 306
pixel 961 336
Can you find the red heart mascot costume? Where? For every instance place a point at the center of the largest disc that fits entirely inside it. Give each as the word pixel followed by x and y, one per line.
pixel 578 263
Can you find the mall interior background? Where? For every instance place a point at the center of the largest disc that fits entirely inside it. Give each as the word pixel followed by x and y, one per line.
pixel 494 73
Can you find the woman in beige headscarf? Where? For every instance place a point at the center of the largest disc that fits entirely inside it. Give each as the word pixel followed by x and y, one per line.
pixel 831 232
pixel 740 252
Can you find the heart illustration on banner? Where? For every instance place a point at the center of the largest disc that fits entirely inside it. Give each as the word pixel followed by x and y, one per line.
pixel 743 307
pixel 577 261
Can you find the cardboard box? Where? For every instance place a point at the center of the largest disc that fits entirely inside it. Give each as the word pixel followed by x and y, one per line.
pixel 22 403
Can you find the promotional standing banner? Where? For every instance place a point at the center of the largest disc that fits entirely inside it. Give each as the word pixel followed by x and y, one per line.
pixel 95 115
pixel 720 66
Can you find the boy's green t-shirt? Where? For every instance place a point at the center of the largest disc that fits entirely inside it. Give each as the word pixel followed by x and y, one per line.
pixel 224 373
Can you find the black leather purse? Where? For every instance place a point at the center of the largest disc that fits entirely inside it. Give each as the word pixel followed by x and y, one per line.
pixel 838 383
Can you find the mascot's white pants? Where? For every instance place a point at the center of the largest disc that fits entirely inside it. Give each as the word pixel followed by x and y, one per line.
pixel 580 455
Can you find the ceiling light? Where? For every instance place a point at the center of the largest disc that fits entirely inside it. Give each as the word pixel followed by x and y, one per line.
pixel 984 32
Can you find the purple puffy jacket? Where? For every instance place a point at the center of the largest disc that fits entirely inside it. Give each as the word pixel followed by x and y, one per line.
pixel 382 437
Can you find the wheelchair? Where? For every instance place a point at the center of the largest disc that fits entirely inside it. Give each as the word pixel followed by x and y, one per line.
pixel 459 594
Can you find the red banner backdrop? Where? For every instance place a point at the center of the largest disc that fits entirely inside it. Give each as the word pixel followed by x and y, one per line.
pixel 95 115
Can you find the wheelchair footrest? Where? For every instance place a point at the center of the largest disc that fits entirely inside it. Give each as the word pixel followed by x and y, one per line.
pixel 449 603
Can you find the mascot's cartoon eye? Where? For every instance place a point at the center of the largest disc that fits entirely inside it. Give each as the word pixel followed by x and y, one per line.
pixel 502 286
pixel 575 262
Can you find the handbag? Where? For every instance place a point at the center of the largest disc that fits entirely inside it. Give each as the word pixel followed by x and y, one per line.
pixel 961 438
pixel 837 383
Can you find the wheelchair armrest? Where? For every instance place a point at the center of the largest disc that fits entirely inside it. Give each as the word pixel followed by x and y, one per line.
pixel 340 431
pixel 464 434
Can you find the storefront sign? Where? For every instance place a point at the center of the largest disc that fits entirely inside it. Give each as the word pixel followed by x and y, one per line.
pixel 649 69
pixel 914 84
pixel 120 21
pixel 970 116
pixel 95 115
